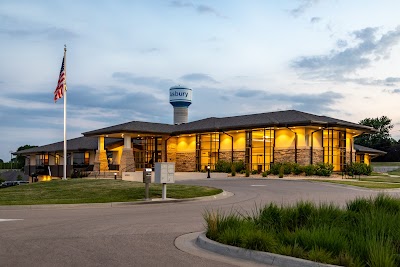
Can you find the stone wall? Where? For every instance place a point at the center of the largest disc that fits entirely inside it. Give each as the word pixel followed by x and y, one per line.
pixel 127 163
pixel 318 155
pixel 225 155
pixel 185 162
pixel 284 155
pixel 239 155
pixel 303 156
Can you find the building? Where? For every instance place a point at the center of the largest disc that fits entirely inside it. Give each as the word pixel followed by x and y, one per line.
pixel 259 140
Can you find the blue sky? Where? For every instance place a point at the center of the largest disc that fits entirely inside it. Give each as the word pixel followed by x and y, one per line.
pixel 336 58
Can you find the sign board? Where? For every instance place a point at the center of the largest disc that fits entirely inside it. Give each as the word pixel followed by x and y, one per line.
pixel 180 94
pixel 164 172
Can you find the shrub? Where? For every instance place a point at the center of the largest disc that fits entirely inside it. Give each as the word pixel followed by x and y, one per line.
pixel 287 167
pixel 264 174
pixel 254 172
pixel 281 171
pixel 233 173
pixel 323 169
pixel 275 168
pixel 239 166
pixel 309 170
pixel 357 168
pixel 242 171
pixel 223 166
pixel 19 177
pixel 2 180
pixel 247 173
pixel 297 169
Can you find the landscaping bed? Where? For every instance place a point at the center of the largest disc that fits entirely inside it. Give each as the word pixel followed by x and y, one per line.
pixel 365 233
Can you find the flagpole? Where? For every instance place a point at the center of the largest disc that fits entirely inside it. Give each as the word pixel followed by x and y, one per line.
pixel 65 114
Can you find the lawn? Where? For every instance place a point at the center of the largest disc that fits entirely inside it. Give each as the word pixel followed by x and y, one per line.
pixel 364 233
pixel 75 191
pixel 363 183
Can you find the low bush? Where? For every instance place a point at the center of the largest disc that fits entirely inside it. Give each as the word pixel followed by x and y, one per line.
pixel 357 168
pixel 264 174
pixel 254 172
pixel 364 233
pixel 309 170
pixel 297 169
pixel 281 171
pixel 323 169
pixel 227 167
pixel 247 173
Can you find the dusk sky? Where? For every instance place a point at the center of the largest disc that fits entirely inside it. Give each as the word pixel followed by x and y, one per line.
pixel 336 58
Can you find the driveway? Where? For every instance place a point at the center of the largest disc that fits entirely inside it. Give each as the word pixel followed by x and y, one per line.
pixel 142 235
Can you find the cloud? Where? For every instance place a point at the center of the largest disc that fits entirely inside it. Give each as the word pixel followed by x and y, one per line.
pixel 20 29
pixel 154 82
pixel 336 65
pixel 200 9
pixel 315 19
pixel 198 77
pixel 303 6
pixel 315 103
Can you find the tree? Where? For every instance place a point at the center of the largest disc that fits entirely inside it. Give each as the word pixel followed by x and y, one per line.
pixel 380 140
pixel 21 159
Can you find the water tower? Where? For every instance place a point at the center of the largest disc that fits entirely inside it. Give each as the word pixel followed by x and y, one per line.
pixel 180 98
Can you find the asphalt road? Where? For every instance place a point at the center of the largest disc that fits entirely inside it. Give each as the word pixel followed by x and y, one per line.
pixel 142 235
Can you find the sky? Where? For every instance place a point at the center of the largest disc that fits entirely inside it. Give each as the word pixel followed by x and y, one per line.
pixel 336 58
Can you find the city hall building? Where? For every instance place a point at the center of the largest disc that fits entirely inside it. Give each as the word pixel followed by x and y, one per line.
pixel 258 140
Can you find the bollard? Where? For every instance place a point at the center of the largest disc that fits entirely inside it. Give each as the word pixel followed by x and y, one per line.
pixel 115 176
pixel 208 172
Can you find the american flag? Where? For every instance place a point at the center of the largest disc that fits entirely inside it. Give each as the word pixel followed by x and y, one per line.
pixel 59 92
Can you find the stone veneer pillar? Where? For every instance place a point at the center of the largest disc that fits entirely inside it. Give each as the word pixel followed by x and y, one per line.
pixel 100 160
pixel 127 163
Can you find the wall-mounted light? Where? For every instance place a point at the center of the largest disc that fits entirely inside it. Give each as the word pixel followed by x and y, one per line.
pixel 122 135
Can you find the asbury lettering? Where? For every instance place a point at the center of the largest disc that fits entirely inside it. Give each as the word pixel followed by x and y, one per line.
pixel 176 93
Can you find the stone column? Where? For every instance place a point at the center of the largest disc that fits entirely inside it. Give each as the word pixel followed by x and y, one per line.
pixel 127 163
pixel 100 160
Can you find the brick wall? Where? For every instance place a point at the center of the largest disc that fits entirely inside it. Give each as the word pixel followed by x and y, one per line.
pixel 185 162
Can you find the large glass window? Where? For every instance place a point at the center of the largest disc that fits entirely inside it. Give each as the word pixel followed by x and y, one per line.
pixel 147 151
pixel 335 148
pixel 209 146
pixel 262 144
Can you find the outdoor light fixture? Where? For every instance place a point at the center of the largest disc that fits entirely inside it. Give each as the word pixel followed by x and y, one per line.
pixel 122 135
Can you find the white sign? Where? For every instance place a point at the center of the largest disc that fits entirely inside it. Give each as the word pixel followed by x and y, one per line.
pixel 164 172
pixel 177 94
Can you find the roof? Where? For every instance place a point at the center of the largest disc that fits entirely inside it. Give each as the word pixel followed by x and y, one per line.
pixel 134 126
pixel 271 119
pixel 76 144
pixel 364 149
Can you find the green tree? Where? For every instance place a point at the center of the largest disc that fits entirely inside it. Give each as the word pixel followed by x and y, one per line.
pixel 21 159
pixel 379 140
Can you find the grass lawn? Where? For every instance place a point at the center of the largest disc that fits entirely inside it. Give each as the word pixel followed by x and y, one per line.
pixel 75 191
pixel 364 233
pixel 372 185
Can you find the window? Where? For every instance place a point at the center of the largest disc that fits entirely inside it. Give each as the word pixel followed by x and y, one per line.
pixel 334 144
pixel 262 144
pixel 81 158
pixel 57 159
pixel 42 159
pixel 209 146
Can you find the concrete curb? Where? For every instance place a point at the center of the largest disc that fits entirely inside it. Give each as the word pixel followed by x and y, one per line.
pixel 222 195
pixel 257 256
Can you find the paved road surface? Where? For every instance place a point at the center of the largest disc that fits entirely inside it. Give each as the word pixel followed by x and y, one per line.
pixel 141 235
